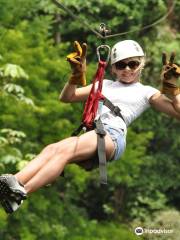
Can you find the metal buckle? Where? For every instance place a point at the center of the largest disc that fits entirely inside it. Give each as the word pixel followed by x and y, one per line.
pixel 104 47
pixel 116 111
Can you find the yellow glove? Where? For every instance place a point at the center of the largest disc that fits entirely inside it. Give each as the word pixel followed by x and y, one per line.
pixel 169 76
pixel 77 61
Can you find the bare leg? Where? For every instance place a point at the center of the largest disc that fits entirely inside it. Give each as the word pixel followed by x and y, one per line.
pixel 37 163
pixel 78 149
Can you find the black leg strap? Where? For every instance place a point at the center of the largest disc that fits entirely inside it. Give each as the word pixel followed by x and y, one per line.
pixel 77 131
pixel 101 151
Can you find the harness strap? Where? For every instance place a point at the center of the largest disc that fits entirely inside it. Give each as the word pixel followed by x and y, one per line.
pixel 99 129
pixel 101 151
pixel 114 109
pixel 77 131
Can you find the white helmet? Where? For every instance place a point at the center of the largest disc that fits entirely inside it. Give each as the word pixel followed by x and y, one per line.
pixel 125 49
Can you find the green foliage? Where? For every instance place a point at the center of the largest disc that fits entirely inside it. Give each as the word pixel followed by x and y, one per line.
pixel 13 71
pixel 33 70
pixel 10 155
pixel 128 168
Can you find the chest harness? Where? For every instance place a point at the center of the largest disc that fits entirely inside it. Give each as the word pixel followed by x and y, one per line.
pixel 91 115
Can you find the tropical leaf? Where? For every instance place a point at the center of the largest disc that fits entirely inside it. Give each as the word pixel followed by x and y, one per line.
pixel 13 88
pixel 13 71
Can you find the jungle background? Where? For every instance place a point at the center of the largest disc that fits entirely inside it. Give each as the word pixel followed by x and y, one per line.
pixel 143 186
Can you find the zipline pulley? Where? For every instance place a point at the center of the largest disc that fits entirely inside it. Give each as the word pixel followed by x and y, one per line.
pixel 103 30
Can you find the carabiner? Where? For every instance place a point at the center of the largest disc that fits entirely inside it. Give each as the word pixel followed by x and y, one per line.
pixel 104 47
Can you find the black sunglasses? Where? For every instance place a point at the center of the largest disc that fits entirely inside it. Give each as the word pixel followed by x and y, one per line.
pixel 131 64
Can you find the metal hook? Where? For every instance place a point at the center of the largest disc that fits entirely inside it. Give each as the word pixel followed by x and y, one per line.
pixel 104 47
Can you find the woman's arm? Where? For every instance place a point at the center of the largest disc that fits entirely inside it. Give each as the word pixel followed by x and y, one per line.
pixel 166 105
pixel 71 93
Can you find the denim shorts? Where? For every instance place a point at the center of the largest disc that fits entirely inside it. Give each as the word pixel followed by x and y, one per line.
pixel 119 140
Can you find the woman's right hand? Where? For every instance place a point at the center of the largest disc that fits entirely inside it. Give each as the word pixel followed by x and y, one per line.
pixel 77 61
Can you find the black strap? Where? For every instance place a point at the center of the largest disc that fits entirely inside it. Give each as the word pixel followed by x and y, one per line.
pixel 101 151
pixel 78 130
pixel 114 109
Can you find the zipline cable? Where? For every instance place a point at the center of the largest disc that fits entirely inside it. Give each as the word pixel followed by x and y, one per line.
pixel 146 26
pixel 82 21
pixel 60 5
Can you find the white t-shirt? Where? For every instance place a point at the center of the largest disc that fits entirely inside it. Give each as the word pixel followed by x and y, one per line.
pixel 132 99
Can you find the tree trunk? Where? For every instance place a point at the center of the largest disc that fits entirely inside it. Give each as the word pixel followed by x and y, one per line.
pixel 173 17
pixel 118 197
pixel 57 34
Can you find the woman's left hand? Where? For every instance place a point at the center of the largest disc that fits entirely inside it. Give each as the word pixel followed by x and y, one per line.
pixel 169 76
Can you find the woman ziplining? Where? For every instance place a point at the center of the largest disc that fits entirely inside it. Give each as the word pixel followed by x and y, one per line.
pixel 128 99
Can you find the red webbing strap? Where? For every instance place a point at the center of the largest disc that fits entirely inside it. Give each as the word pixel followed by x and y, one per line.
pixel 91 105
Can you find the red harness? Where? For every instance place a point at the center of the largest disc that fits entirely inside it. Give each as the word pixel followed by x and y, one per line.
pixel 94 97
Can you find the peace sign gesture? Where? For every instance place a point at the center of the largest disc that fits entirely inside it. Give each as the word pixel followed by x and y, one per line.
pixel 79 55
pixel 169 75
pixel 77 61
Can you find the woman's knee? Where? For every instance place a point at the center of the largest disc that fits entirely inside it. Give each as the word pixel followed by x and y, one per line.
pixel 68 148
pixel 63 148
pixel 50 149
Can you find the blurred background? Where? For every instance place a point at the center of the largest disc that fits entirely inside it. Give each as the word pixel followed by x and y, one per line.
pixel 144 185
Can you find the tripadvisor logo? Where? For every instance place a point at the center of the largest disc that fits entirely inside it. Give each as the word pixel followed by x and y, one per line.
pixel 139 231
